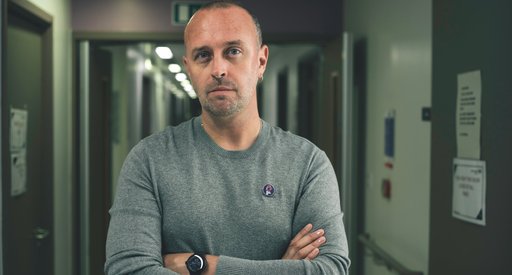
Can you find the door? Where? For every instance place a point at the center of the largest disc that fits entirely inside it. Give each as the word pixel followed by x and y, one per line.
pixel 147 90
pixel 27 159
pixel 100 152
pixel 282 99
pixel 309 87
pixel 95 81
pixel 457 246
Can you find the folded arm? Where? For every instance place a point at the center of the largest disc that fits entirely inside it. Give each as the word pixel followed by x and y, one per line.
pixel 134 243
pixel 303 246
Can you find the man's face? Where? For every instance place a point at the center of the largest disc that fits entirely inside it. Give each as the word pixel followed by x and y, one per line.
pixel 224 59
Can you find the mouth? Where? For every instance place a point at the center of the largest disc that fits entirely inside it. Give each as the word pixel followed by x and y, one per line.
pixel 221 89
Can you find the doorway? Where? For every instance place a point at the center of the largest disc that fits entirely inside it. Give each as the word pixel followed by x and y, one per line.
pixel 123 95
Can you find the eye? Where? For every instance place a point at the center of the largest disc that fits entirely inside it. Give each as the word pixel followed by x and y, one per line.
pixel 233 52
pixel 202 56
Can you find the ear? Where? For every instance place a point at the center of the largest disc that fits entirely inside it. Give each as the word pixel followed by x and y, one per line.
pixel 263 58
pixel 185 62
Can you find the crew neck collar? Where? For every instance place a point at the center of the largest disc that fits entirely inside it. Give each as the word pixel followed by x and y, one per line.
pixel 208 141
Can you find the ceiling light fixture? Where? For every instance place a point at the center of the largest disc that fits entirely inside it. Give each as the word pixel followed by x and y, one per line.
pixel 174 68
pixel 180 77
pixel 164 52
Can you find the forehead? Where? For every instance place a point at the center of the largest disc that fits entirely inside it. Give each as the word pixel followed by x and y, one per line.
pixel 220 25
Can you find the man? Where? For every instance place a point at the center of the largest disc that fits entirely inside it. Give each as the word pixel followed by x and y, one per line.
pixel 226 193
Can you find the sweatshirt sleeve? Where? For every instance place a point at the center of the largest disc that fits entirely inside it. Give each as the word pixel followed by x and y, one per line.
pixel 319 204
pixel 134 235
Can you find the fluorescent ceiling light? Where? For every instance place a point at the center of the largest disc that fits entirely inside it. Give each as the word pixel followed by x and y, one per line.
pixel 174 68
pixel 192 94
pixel 164 52
pixel 181 76
pixel 188 88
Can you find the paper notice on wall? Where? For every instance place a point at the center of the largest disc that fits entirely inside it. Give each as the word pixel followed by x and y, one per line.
pixel 18 173
pixel 19 119
pixel 468 201
pixel 18 147
pixel 469 95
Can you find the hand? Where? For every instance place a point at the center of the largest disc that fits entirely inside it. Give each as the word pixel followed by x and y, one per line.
pixel 305 245
pixel 176 263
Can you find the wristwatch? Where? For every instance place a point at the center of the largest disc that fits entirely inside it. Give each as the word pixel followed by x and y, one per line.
pixel 196 264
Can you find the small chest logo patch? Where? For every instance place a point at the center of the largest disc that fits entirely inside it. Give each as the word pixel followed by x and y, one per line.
pixel 268 190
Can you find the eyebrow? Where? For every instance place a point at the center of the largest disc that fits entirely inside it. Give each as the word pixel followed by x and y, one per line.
pixel 208 48
pixel 234 43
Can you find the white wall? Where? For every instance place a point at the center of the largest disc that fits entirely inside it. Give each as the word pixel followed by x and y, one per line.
pixel 62 76
pixel 398 35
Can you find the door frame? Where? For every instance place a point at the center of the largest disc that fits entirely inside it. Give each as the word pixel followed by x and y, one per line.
pixel 44 21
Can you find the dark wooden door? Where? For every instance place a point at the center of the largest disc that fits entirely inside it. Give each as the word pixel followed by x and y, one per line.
pixel 282 99
pixel 471 36
pixel 27 160
pixel 309 89
pixel 100 154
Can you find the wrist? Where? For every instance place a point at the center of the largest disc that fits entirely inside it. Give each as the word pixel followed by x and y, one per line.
pixel 212 264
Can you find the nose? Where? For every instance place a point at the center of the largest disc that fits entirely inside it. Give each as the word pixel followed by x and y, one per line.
pixel 219 68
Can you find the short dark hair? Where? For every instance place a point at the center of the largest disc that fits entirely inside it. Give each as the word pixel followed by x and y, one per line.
pixel 222 4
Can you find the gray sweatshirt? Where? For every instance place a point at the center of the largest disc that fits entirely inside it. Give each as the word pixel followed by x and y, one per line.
pixel 180 192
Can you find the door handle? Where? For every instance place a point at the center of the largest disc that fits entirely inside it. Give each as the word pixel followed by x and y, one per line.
pixel 40 233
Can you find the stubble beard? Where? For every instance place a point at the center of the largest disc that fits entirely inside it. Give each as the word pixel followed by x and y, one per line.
pixel 225 106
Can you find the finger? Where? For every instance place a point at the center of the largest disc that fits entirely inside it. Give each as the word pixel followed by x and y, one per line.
pixel 304 243
pixel 294 243
pixel 302 232
pixel 309 239
pixel 312 255
pixel 307 250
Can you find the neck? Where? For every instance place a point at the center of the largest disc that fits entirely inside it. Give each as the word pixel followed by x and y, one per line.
pixel 232 134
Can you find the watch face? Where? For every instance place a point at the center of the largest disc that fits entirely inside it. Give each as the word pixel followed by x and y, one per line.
pixel 195 263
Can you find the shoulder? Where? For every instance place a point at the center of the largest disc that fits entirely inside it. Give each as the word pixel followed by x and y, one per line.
pixel 289 147
pixel 165 140
pixel 285 139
